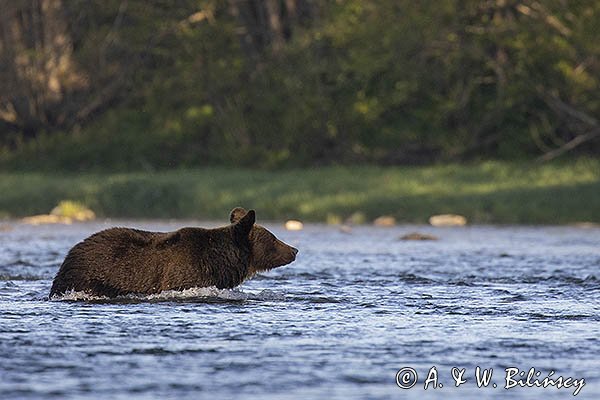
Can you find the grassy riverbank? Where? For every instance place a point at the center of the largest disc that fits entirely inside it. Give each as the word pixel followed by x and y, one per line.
pixel 489 192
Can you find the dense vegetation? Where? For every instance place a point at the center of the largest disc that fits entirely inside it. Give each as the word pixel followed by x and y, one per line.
pixel 489 192
pixel 131 84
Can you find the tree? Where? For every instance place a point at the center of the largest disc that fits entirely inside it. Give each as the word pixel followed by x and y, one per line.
pixel 38 70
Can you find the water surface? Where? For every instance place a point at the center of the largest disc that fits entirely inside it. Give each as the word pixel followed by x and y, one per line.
pixel 339 323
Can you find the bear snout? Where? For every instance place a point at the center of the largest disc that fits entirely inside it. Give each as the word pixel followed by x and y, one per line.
pixel 287 253
pixel 291 256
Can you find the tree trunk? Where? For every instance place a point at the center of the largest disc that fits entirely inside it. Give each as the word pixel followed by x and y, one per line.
pixel 273 11
pixel 38 71
pixel 268 23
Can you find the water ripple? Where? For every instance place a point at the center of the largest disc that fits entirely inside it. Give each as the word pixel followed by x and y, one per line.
pixel 338 323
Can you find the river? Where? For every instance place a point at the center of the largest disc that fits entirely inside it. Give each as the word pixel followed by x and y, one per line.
pixel 340 322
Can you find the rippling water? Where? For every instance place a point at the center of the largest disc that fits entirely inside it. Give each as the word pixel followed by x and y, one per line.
pixel 340 322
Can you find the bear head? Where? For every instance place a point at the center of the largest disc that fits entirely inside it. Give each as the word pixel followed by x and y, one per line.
pixel 266 251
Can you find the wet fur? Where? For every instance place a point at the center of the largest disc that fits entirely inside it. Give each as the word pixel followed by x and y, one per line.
pixel 120 261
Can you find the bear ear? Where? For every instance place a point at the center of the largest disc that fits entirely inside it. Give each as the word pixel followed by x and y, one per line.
pixel 237 214
pixel 244 225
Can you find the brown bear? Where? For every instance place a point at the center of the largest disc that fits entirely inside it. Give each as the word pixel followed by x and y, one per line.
pixel 120 261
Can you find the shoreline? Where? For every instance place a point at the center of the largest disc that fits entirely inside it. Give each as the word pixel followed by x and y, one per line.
pixel 497 193
pixel 9 223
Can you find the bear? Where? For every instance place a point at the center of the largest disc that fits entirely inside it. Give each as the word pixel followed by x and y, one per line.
pixel 120 261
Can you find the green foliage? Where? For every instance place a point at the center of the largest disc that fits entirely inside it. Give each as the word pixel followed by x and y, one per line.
pixel 73 210
pixel 371 81
pixel 489 192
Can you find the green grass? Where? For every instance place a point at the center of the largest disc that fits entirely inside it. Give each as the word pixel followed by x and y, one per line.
pixel 489 192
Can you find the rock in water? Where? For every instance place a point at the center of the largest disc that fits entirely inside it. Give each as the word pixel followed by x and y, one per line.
pixel 294 225
pixel 447 220
pixel 418 236
pixel 66 212
pixel 385 221
pixel 73 210
pixel 43 219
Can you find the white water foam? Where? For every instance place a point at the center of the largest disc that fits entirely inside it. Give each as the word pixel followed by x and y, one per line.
pixel 73 295
pixel 196 292
pixel 192 293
